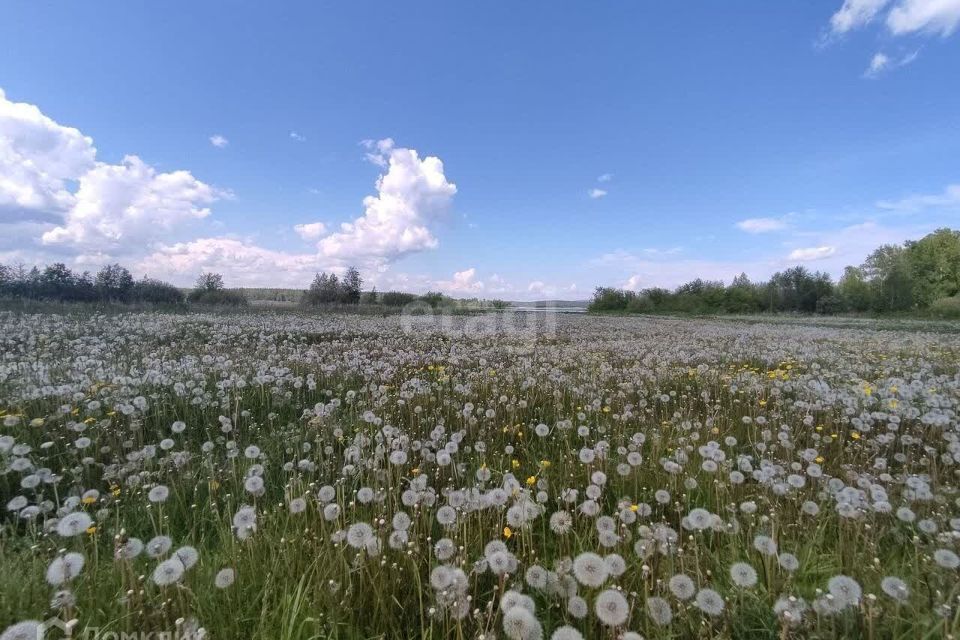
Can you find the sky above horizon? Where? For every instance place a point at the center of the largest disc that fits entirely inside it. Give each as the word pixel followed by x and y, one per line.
pixel 502 150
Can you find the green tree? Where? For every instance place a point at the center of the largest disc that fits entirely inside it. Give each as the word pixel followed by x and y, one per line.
pixel 934 266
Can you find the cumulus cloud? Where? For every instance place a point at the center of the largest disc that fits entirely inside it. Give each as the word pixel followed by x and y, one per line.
pixel 812 253
pixel 929 16
pixel 240 262
pixel 465 281
pixel 298 137
pixel 219 141
pixel 914 203
pixel 596 194
pixel 310 230
pixel 762 225
pixel 38 158
pixel 634 282
pixel 118 206
pixel 50 176
pixel 935 17
pixel 411 196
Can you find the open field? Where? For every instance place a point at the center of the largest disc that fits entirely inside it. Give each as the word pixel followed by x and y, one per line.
pixel 276 475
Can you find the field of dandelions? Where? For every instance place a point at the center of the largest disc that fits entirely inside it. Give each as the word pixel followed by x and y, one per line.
pixel 278 476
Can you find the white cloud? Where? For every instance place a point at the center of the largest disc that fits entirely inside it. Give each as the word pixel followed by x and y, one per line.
pixel 949 198
pixel 38 158
pixel 117 207
pixel 465 281
pixel 597 193
pixel 904 16
pixel 240 263
pixel 812 253
pixel 310 230
pixel 881 62
pixel 298 137
pixel 855 13
pixel 412 194
pixel 634 282
pixel 928 16
pixel 762 225
pixel 606 177
pixel 219 141
pixel 878 63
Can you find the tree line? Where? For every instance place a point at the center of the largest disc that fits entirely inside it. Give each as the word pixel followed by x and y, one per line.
pixel 917 276
pixel 328 289
pixel 114 284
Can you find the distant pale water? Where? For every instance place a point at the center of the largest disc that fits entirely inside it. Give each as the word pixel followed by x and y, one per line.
pixel 550 309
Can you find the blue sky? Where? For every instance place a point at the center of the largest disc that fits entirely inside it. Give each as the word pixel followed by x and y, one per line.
pixel 623 143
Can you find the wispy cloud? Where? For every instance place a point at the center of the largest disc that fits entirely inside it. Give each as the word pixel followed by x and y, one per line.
pixel 913 203
pixel 762 225
pixel 812 253
pixel 596 194
pixel 219 141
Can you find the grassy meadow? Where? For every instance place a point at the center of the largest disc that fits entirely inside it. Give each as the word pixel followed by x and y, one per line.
pixel 291 476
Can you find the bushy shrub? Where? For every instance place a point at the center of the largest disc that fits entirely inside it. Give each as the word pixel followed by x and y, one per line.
pixel 396 298
pixel 218 297
pixel 947 308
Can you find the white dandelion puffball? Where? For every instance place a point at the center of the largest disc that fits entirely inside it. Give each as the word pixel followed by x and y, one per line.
pixel 743 575
pixel 64 568
pixel 168 572
pixel 158 546
pixel 566 632
pixel 590 570
pixel 188 556
pixel 845 590
pixel 224 578
pixel 659 611
pixel 159 493
pixel 26 630
pixel 895 588
pixel 709 601
pixel 612 608
pixel 520 624
pixel 946 558
pixel 74 524
pixel 359 534
pixel 682 587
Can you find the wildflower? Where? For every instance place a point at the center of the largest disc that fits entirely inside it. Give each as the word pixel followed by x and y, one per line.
pixel 74 524
pixel 521 624
pixel 895 588
pixel 64 568
pixel 566 632
pixel 682 587
pixel 709 601
pixel 224 578
pixel 168 572
pixel 159 493
pixel 845 590
pixel 659 611
pixel 26 630
pixel 743 575
pixel 590 570
pixel 612 608
pixel 946 558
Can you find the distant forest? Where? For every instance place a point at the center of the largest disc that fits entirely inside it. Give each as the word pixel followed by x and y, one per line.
pixel 917 276
pixel 114 284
